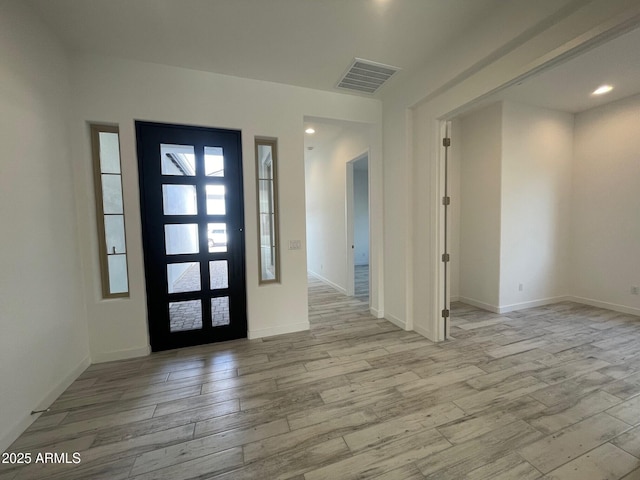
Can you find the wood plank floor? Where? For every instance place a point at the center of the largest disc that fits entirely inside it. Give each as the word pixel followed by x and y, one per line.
pixel 361 283
pixel 550 392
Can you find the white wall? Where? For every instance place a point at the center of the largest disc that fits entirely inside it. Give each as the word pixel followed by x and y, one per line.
pixel 480 201
pixel 118 91
pixel 43 344
pixel 325 170
pixel 361 213
pixel 518 39
pixel 606 205
pixel 568 220
pixel 398 237
pixel 537 153
pixel 515 182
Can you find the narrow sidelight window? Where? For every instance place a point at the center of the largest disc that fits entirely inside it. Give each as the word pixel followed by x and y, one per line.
pixel 105 142
pixel 267 195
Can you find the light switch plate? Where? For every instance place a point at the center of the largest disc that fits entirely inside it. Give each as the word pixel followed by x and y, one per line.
pixel 295 244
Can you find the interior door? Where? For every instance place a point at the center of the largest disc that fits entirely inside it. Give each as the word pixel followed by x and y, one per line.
pixel 193 233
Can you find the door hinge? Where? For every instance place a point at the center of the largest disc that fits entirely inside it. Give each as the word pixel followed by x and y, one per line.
pixel 446 142
pixel 446 200
pixel 445 313
pixel 445 257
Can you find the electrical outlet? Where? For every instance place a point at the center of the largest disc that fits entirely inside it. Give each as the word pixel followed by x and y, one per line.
pixel 635 290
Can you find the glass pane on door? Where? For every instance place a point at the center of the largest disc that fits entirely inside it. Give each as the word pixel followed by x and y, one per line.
pixel 215 200
pixel 185 315
pixel 181 238
pixel 218 274
pixel 213 162
pixel 183 277
pixel 217 239
pixel 220 311
pixel 177 160
pixel 179 200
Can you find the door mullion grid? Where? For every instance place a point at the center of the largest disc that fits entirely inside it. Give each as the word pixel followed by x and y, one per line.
pixel 201 201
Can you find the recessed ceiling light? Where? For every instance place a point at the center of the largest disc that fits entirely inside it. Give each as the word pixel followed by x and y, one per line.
pixel 602 89
pixel 310 131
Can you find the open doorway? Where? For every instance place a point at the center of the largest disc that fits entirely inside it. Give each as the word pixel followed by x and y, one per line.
pixel 343 185
pixel 357 218
pixel 543 208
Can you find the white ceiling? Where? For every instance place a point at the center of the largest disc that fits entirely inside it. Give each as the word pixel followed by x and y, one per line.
pixel 326 132
pixel 308 43
pixel 311 43
pixel 568 87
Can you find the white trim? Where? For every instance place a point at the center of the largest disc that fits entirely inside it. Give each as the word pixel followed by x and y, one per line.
pixel 377 313
pixel 121 354
pixel 444 290
pixel 437 219
pixel 396 321
pixel 279 330
pixel 423 331
pixel 606 305
pixel 350 219
pixel 478 304
pixel 533 303
pixel 455 298
pixel 409 209
pixel 514 306
pixel 349 229
pixel 328 282
pixel 7 438
pixel 549 301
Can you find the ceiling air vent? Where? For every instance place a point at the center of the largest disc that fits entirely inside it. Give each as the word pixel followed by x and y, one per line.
pixel 366 76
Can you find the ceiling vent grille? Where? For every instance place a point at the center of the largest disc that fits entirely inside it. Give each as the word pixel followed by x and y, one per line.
pixel 366 76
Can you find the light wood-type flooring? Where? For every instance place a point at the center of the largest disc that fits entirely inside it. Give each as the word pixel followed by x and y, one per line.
pixel 550 392
pixel 361 283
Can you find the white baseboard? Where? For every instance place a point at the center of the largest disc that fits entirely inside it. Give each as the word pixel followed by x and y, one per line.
pixel 396 321
pixel 606 305
pixel 533 303
pixel 377 313
pixel 280 330
pixel 454 298
pixel 550 301
pixel 328 282
pixel 476 303
pixel 424 332
pixel 7 438
pixel 120 354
